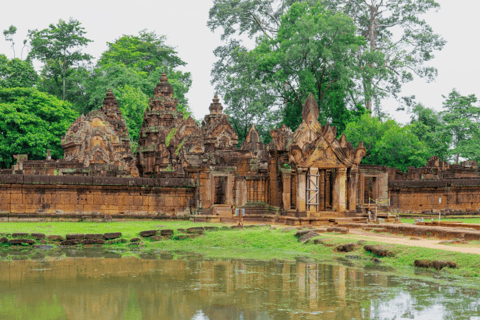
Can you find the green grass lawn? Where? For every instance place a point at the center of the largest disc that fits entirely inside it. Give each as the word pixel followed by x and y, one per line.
pixel 464 220
pixel 253 243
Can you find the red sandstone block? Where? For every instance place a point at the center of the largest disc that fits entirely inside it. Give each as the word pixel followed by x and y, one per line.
pixel 17 208
pixel 170 201
pixel 16 198
pixel 137 201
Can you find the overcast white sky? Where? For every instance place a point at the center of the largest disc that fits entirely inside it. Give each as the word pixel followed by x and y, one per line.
pixel 184 24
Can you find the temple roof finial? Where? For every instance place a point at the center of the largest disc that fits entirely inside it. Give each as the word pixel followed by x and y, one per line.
pixel 216 106
pixel 310 110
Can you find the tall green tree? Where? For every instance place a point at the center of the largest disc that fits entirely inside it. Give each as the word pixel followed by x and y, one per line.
pixel 8 34
pixel 247 98
pixel 32 122
pixel 138 62
pixel 398 41
pixel 17 73
pixel 133 103
pixel 144 52
pixel 462 119
pixel 428 125
pixel 312 51
pixel 59 49
pixel 387 143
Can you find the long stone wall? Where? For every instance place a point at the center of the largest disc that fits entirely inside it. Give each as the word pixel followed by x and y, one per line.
pixel 455 195
pixel 27 194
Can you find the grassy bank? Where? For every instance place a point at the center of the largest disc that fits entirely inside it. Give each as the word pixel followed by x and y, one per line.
pixel 429 218
pixel 260 243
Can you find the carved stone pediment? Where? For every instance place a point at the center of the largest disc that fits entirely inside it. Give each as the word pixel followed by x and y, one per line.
pixel 316 146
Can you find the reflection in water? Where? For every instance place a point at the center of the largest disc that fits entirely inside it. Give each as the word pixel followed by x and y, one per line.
pixel 132 288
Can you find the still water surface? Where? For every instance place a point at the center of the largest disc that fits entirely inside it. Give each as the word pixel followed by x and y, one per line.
pixel 156 286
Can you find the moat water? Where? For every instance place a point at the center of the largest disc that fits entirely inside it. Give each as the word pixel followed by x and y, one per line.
pixel 95 285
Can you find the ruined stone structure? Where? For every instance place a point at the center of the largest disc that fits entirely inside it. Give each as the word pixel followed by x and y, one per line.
pixel 101 137
pixel 182 167
pixel 437 187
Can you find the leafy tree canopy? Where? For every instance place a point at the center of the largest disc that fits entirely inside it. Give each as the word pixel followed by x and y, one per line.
pixel 16 73
pixel 32 122
pixel 59 49
pixel 429 127
pixel 462 122
pixel 144 52
pixel 398 41
pixel 387 143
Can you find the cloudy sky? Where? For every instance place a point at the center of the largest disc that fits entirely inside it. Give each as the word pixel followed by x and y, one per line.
pixel 184 24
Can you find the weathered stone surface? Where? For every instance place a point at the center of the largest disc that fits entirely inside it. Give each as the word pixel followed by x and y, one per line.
pixel 338 230
pixel 19 235
pixel 112 235
pixel 72 242
pixel 55 238
pixel 307 236
pixel 75 236
pixel 148 233
pixel 300 233
pixel 197 230
pixel 156 238
pixel 101 137
pixel 94 236
pixel 135 240
pixel 209 228
pixel 437 264
pixel 2 240
pixel 348 247
pixel 21 241
pixel 37 236
pixel 166 232
pixel 322 242
pixel 93 241
pixel 379 250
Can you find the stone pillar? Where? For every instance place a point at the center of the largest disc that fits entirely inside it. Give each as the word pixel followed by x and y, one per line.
pixel 229 190
pixel 301 189
pixel 352 189
pixel 312 184
pixel 287 187
pixel 321 190
pixel 275 194
pixel 328 189
pixel 240 192
pixel 339 189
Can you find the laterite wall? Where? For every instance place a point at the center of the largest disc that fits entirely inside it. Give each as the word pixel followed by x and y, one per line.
pixel 418 196
pixel 85 195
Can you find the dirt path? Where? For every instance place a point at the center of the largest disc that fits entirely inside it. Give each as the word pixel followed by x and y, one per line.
pixel 424 243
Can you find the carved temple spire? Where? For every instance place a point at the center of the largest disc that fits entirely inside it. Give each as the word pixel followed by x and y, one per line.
pixel 109 102
pixel 163 89
pixel 310 111
pixel 216 106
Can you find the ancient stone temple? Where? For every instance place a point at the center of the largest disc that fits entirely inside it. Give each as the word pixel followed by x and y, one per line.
pixel 321 172
pixel 163 131
pixel 101 137
pixel 186 168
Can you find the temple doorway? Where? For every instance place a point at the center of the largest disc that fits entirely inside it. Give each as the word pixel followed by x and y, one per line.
pixel 319 189
pixel 220 191
pixel 370 190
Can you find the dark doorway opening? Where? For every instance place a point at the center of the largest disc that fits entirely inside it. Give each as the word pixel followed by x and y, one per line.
pixel 220 190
